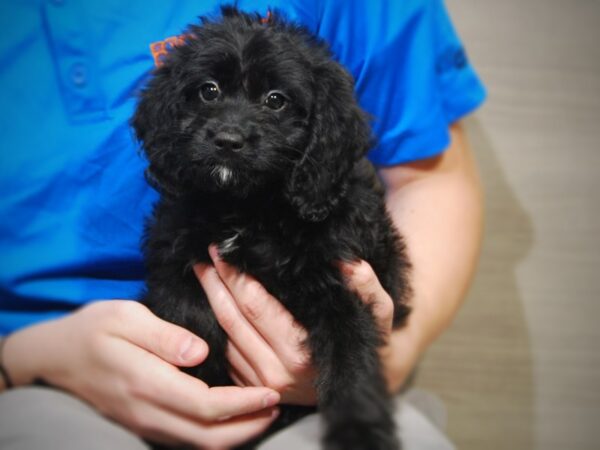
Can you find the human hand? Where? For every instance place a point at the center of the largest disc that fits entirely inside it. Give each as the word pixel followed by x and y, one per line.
pixel 122 359
pixel 266 345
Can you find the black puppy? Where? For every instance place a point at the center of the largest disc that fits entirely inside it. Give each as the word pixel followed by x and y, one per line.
pixel 255 141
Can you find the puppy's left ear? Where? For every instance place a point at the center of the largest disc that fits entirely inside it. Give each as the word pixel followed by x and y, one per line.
pixel 339 137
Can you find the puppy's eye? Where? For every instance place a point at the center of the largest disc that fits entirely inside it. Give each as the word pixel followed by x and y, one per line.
pixel 275 100
pixel 209 92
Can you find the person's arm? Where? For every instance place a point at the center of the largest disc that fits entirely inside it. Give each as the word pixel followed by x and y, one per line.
pixel 437 206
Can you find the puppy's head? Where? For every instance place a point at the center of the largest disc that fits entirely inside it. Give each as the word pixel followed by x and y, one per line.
pixel 246 105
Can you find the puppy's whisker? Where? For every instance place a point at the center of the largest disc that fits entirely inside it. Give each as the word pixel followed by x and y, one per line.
pixel 302 153
pixel 286 159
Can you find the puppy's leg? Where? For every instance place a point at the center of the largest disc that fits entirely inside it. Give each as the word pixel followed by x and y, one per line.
pixel 352 391
pixel 182 301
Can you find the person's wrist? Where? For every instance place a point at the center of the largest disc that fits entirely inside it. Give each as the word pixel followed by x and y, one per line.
pixel 5 377
pixel 24 352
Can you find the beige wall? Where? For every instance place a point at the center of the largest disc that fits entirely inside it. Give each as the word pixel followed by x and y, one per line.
pixel 520 368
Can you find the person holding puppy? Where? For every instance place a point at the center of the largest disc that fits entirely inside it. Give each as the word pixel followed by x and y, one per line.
pixel 70 235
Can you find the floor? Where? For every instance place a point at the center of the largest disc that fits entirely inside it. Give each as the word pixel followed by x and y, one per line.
pixel 520 367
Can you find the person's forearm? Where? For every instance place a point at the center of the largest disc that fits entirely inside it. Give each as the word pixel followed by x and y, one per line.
pixel 437 206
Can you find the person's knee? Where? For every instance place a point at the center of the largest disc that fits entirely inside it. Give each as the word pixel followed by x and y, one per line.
pixel 35 418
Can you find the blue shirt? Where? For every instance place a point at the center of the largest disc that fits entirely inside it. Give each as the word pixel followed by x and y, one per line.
pixel 72 194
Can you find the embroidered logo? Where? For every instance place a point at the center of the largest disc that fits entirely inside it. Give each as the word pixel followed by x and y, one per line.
pixel 161 49
pixel 453 58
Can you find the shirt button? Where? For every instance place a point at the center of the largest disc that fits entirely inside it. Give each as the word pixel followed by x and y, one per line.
pixel 79 75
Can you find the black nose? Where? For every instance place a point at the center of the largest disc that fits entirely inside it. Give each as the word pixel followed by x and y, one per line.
pixel 230 140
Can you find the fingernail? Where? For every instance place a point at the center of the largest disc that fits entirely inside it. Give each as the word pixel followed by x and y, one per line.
pixel 213 251
pixel 192 348
pixel 274 413
pixel 270 399
pixel 347 268
pixel 199 270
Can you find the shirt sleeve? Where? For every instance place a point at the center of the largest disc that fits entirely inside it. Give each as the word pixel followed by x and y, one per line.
pixel 411 70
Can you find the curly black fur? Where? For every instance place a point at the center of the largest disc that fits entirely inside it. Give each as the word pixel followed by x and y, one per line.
pixel 290 192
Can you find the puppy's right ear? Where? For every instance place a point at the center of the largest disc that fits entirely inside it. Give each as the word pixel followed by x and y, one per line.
pixel 156 110
pixel 154 120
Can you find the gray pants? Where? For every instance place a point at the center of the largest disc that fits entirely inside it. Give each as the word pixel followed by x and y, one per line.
pixel 35 418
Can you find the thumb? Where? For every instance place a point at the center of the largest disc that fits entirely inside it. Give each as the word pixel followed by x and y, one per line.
pixel 168 341
pixel 362 279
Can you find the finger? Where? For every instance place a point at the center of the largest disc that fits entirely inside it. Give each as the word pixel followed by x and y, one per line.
pixel 362 279
pixel 246 338
pixel 163 426
pixel 265 313
pixel 237 378
pixel 243 370
pixel 153 380
pixel 229 401
pixel 174 344
pixel 228 433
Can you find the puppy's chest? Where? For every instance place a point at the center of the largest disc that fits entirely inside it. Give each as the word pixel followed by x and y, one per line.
pixel 281 249
pixel 229 245
pixel 258 245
